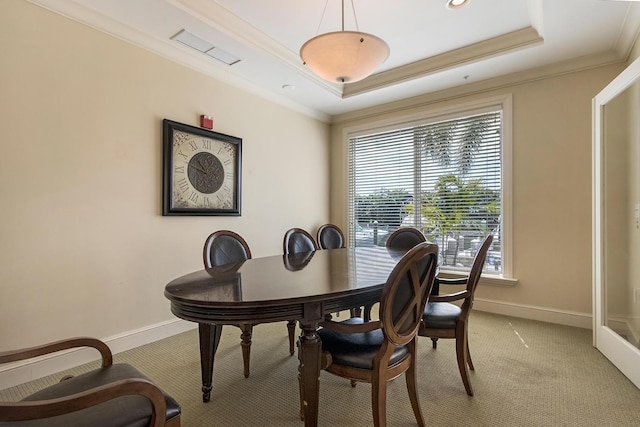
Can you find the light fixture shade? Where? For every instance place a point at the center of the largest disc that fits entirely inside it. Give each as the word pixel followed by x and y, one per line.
pixel 344 56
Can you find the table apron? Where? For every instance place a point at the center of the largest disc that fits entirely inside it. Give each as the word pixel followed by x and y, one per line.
pixel 236 314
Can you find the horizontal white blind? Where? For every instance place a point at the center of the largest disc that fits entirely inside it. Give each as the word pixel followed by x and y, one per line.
pixel 443 178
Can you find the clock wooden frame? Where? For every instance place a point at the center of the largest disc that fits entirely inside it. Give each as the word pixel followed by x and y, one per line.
pixel 180 194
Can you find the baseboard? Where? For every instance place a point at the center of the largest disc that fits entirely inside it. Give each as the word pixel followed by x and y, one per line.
pixel 15 373
pixel 543 314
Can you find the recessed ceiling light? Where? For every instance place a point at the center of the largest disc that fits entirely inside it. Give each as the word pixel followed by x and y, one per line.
pixel 456 4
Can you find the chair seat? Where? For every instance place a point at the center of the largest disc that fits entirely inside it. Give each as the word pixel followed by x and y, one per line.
pixel 121 411
pixel 441 315
pixel 357 350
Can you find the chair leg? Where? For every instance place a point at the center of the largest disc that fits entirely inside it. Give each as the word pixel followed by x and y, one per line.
pixel 379 401
pixel 461 352
pixel 469 362
pixel 434 342
pixel 412 378
pixel 291 327
pixel 353 383
pixel 356 312
pixel 245 336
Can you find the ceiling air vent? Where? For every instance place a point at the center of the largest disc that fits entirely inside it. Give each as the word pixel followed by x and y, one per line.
pixel 201 45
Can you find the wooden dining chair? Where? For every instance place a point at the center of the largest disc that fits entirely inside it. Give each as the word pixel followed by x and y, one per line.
pixel 379 351
pixel 330 236
pixel 296 240
pixel 442 319
pixel 405 238
pixel 224 247
pixel 115 395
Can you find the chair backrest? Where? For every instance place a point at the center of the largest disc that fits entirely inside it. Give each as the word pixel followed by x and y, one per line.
pixel 224 247
pixel 298 240
pixel 406 292
pixel 405 238
pixel 476 268
pixel 330 237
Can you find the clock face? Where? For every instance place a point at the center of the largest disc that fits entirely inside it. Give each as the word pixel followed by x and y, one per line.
pixel 203 173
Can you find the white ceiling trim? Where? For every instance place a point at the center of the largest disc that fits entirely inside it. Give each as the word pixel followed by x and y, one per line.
pixel 548 71
pixel 172 51
pixel 516 40
pixel 226 22
pixel 628 33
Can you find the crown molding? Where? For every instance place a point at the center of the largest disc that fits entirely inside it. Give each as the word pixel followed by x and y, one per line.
pixel 172 51
pixel 226 22
pixel 516 40
pixel 629 32
pixel 548 71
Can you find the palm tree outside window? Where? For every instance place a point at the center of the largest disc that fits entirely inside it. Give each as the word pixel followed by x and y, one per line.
pixel 443 177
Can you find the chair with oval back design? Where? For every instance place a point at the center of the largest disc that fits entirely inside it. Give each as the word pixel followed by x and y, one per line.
pixel 442 319
pixel 224 247
pixel 296 240
pixel 405 238
pixel 379 351
pixel 330 236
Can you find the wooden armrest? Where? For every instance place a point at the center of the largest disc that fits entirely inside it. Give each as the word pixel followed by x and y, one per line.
pixel 28 353
pixel 38 409
pixel 351 328
pixel 449 297
pixel 452 281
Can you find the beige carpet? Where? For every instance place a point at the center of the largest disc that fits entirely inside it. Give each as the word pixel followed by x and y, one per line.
pixel 527 374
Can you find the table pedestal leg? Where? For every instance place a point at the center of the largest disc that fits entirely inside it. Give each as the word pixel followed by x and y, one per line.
pixel 309 372
pixel 209 340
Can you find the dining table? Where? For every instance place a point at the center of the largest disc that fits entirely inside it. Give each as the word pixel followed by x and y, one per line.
pixel 305 287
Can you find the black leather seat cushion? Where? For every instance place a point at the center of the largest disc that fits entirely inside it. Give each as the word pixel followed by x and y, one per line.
pixel 122 411
pixel 441 315
pixel 357 350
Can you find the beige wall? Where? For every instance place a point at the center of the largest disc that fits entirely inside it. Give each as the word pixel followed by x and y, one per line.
pixel 84 249
pixel 551 188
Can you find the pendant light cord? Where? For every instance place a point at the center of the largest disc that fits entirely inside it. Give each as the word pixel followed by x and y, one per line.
pixel 324 11
pixel 355 18
pixel 322 17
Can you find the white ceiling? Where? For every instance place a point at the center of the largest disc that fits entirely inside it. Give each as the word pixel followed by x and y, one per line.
pixel 432 48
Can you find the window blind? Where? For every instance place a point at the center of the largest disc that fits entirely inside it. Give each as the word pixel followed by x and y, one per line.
pixel 442 177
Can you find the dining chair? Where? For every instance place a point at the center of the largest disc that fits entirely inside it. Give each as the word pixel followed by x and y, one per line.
pixel 402 239
pixel 114 395
pixel 330 236
pixel 296 240
pixel 225 247
pixel 379 351
pixel 405 238
pixel 442 319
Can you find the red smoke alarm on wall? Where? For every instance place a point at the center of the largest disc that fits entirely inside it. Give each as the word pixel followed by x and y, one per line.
pixel 206 122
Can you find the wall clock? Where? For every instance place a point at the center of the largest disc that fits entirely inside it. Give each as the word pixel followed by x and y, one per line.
pixel 202 171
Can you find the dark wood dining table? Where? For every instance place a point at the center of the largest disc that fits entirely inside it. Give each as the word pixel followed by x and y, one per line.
pixel 304 287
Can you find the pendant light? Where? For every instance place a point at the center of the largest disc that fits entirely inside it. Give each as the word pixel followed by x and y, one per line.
pixel 344 56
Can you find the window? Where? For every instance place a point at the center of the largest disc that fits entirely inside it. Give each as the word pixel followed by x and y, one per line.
pixel 442 174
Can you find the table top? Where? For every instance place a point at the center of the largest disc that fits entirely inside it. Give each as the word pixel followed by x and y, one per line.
pixel 277 287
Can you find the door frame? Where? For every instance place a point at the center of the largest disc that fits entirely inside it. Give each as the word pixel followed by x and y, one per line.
pixel 619 351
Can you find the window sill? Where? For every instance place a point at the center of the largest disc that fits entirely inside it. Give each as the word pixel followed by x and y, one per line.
pixel 486 279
